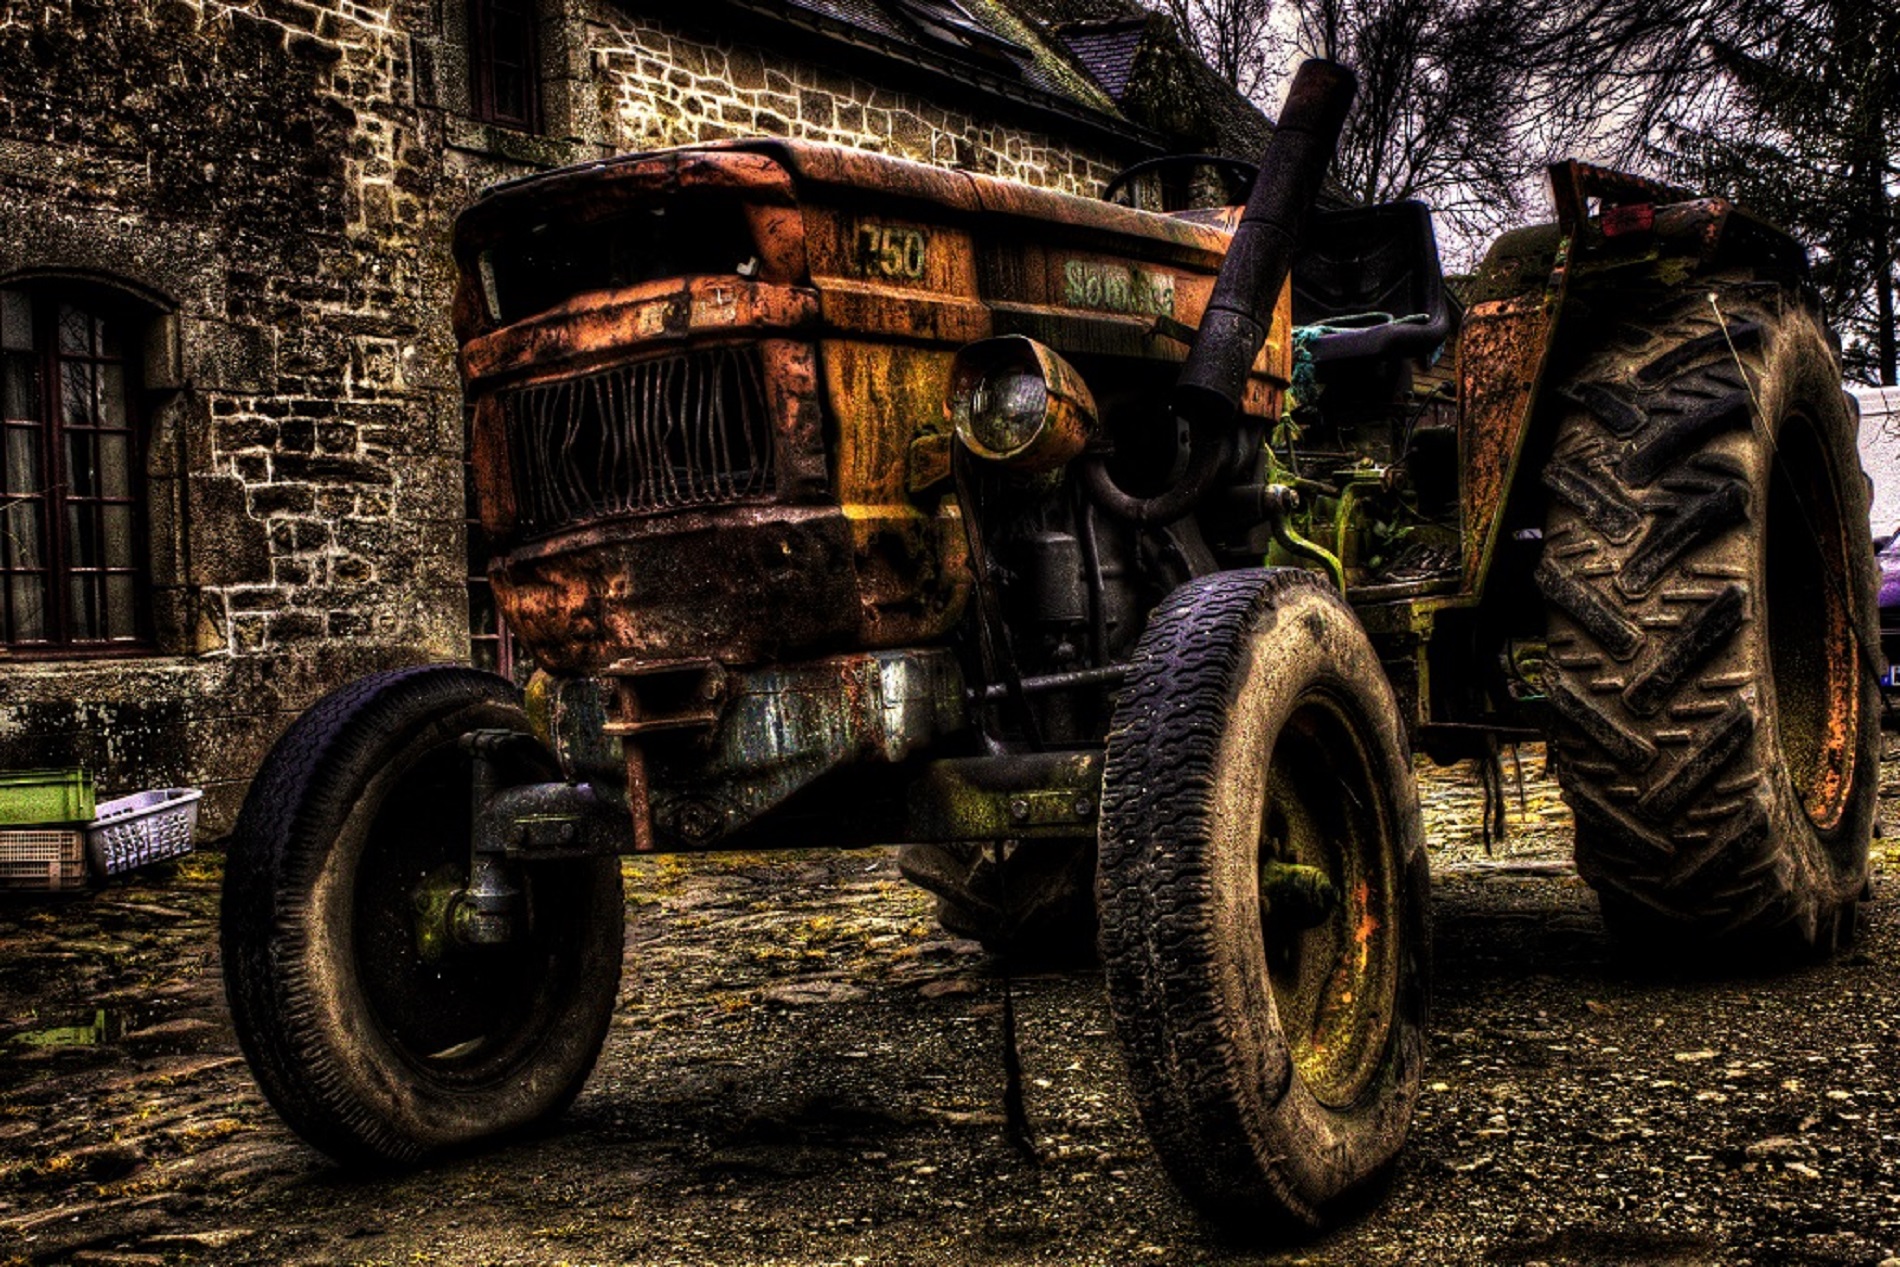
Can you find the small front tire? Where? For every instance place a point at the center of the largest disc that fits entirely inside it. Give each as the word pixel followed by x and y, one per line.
pixel 377 1037
pixel 1263 898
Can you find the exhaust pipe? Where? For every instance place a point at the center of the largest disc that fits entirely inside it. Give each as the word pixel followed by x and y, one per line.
pixel 1208 393
pixel 1261 253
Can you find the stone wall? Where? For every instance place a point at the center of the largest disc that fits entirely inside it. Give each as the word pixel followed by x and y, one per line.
pixel 259 179
pixel 271 183
pixel 662 86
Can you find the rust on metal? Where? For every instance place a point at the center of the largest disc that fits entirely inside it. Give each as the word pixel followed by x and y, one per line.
pixel 798 420
pixel 908 558
pixel 667 456
pixel 1501 355
pixel 1573 185
pixel 603 325
pixel 741 584
pixel 661 695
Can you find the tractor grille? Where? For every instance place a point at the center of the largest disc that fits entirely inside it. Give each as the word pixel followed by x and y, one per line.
pixel 666 434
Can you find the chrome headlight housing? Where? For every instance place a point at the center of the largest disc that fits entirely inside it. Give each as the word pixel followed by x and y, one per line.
pixel 1015 402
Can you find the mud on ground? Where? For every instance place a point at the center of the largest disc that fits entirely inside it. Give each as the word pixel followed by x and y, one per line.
pixel 804 1071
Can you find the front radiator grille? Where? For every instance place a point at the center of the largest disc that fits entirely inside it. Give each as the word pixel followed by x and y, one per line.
pixel 666 434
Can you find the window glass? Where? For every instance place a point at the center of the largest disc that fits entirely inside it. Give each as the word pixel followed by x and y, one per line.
pixel 71 571
pixel 504 57
pixel 22 460
pixel 21 523
pixel 75 331
pixel 115 464
pixel 29 610
pixel 16 321
pixel 22 388
pixel 82 617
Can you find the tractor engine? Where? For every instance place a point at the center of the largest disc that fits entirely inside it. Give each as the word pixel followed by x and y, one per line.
pixel 714 458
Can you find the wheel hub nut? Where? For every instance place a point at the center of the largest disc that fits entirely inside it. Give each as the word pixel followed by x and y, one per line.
pixel 484 915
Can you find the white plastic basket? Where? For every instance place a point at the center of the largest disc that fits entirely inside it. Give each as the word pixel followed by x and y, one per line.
pixel 42 859
pixel 144 827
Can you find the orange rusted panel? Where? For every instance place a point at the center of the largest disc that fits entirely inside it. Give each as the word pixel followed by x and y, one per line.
pixel 1048 214
pixel 872 243
pixel 852 281
pixel 881 272
pixel 862 175
pixel 494 478
pixel 910 575
pixel 741 585
pixel 1501 353
pixel 603 325
pixel 1000 210
pixel 1273 368
pixel 796 403
pixel 779 234
pixel 868 308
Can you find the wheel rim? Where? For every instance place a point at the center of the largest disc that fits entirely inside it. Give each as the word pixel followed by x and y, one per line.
pixel 1814 673
pixel 460 1016
pixel 1335 980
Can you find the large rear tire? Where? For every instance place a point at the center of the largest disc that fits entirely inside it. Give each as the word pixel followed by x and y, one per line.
pixel 1710 586
pixel 1263 901
pixel 379 1037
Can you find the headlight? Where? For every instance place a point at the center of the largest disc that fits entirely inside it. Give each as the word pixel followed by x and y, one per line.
pixel 1016 402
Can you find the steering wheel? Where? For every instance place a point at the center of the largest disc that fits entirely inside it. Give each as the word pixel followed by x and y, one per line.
pixel 1235 168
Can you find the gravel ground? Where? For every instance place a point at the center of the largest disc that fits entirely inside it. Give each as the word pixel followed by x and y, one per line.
pixel 804 1071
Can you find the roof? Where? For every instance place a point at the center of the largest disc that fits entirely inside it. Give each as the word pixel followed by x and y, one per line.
pixel 1107 50
pixel 1141 61
pixel 1101 70
pixel 986 48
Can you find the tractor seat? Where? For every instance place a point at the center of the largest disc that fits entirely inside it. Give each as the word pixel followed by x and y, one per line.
pixel 1368 280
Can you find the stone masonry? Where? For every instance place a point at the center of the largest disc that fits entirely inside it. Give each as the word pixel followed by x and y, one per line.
pixel 662 87
pixel 260 179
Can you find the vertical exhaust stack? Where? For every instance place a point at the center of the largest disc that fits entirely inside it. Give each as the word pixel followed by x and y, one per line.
pixel 1259 257
pixel 1261 253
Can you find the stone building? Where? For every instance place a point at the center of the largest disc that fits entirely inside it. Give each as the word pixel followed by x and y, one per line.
pixel 231 442
pixel 1880 454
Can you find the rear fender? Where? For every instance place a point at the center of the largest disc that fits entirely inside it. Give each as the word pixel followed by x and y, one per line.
pixel 1613 231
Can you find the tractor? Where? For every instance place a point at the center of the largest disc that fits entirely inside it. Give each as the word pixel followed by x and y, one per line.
pixel 1112 563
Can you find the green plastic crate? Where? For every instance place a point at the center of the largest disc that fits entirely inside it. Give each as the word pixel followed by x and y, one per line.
pixel 32 798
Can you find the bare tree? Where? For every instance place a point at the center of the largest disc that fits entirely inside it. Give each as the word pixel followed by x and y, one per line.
pixel 1790 106
pixel 1453 103
pixel 1807 132
pixel 1235 37
pixel 1445 111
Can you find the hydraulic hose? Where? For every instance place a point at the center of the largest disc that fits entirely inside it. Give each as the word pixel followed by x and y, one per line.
pixel 1208 393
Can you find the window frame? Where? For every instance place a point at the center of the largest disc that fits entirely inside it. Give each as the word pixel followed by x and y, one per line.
pixel 111 311
pixel 482 63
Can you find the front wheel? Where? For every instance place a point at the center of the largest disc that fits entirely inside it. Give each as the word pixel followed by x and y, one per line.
pixel 378 1035
pixel 1263 900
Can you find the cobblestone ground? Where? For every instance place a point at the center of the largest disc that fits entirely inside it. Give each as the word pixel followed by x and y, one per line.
pixel 803 1070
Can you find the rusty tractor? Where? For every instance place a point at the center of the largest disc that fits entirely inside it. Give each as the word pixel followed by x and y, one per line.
pixel 1114 563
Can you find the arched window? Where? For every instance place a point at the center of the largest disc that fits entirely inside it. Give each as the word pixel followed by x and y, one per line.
pixel 72 548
